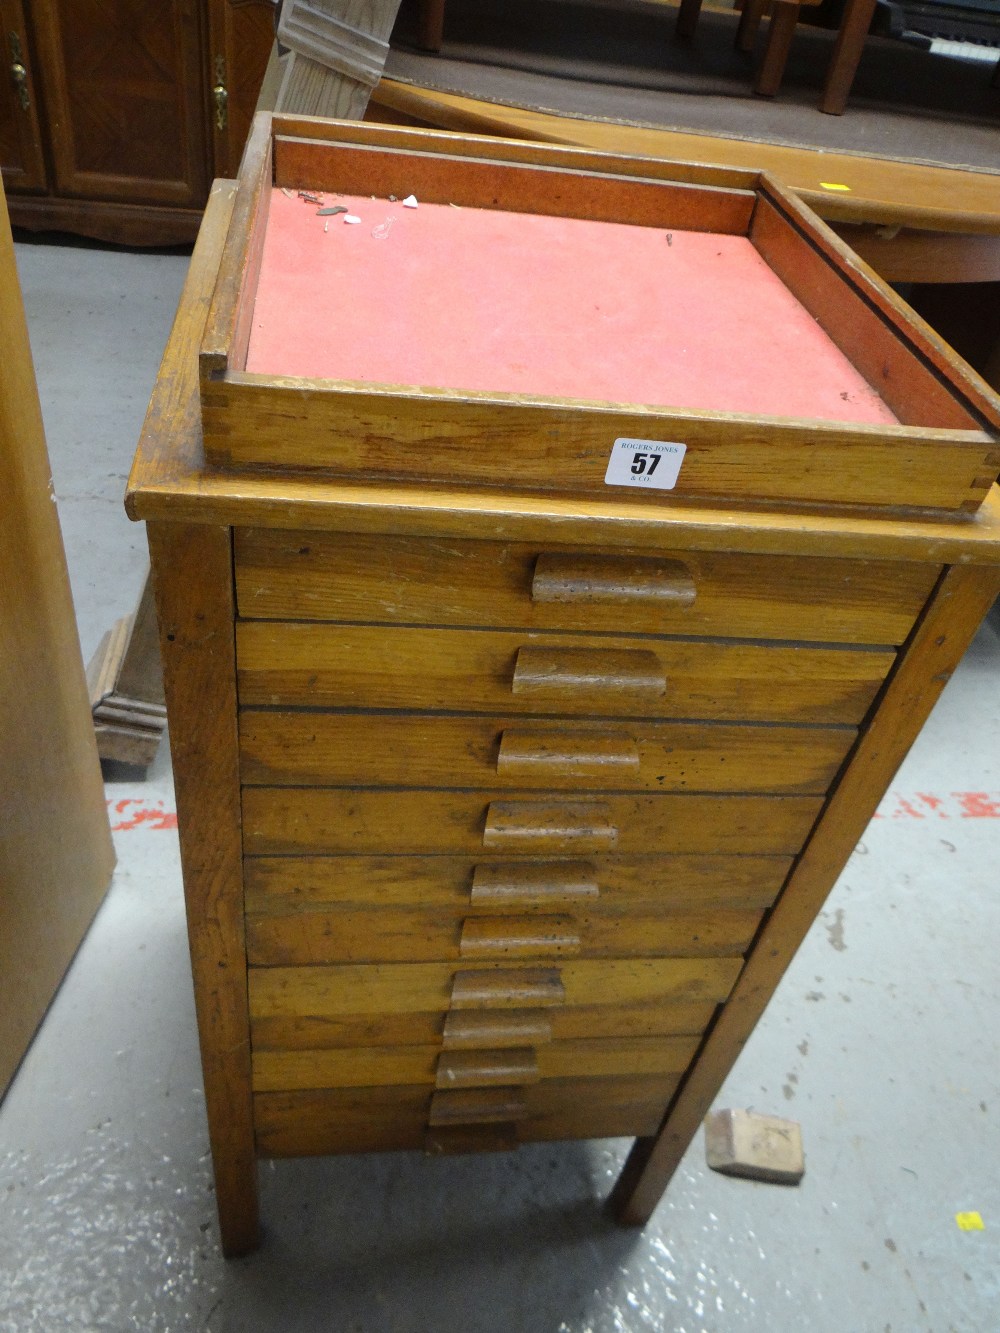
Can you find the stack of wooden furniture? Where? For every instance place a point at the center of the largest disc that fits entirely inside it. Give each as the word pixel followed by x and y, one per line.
pixel 507 790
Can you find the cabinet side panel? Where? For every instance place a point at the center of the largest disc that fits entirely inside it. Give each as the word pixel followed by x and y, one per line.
pixel 192 575
pixel 953 614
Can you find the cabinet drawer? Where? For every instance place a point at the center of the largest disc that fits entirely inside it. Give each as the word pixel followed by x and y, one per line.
pixel 363 666
pixel 418 935
pixel 315 1032
pixel 384 1119
pixel 416 580
pixel 340 1120
pixel 302 1070
pixel 284 884
pixel 596 1108
pixel 289 820
pixel 355 989
pixel 429 750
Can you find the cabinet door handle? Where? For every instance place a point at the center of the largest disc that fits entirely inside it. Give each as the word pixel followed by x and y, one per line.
pixel 508 988
pixel 496 1029
pixel 476 1106
pixel 608 756
pixel 220 94
pixel 524 884
pixel 541 672
pixel 563 826
pixel 515 1067
pixel 529 936
pixel 19 72
pixel 600 578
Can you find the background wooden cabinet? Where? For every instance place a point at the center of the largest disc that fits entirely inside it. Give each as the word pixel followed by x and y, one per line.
pixel 114 117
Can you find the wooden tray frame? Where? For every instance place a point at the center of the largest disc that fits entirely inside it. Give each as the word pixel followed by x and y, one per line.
pixel 376 432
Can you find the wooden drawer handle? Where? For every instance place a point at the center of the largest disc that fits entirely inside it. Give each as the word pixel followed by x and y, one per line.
pixel 527 883
pixel 476 1106
pixel 542 672
pixel 487 1069
pixel 513 988
pixel 519 937
pixel 609 756
pixel 449 1139
pixel 609 578
pixel 550 826
pixel 485 1030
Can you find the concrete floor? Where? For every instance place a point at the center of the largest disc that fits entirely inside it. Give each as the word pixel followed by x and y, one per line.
pixel 883 1041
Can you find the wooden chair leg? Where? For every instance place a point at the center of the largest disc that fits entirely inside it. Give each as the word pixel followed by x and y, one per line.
pixel 779 40
pixel 687 18
pixel 749 25
pixel 846 54
pixel 430 31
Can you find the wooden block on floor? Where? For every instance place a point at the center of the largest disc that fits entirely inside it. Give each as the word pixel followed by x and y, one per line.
pixel 125 681
pixel 758 1147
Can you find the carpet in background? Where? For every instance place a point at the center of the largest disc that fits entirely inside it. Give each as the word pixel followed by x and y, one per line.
pixel 617 60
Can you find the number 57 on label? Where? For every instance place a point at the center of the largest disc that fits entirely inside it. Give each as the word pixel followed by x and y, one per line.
pixel 650 463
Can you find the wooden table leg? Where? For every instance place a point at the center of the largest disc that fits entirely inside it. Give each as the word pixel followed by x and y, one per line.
pixel 193 582
pixel 749 24
pixel 687 18
pixel 430 29
pixel 784 17
pixel 846 54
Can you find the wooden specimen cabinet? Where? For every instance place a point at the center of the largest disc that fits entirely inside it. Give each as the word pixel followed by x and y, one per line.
pixel 115 118
pixel 508 786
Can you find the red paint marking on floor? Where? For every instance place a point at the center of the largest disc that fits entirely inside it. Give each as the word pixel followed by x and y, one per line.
pixel 953 805
pixel 905 807
pixel 145 814
pixel 935 803
pixel 977 804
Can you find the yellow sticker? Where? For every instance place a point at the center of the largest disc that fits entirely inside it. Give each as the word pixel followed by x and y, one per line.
pixel 970 1222
pixel 832 185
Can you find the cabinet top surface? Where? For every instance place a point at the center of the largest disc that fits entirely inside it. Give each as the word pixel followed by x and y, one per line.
pixel 497 301
pixel 171 480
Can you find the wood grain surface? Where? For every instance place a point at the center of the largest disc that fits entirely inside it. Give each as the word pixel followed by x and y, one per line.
pixel 937 645
pixel 310 575
pixel 282 884
pixel 284 748
pixel 319 992
pixel 56 855
pixel 280 821
pixel 360 666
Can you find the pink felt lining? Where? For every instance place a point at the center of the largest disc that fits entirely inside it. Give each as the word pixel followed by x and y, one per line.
pixel 474 299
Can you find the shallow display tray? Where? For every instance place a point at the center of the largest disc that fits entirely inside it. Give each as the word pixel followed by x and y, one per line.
pixel 546 319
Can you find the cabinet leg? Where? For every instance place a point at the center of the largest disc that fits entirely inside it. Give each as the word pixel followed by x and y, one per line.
pixel 192 579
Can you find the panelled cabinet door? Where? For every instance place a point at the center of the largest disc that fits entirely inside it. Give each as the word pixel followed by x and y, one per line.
pixel 21 154
pixel 240 37
pixel 124 99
